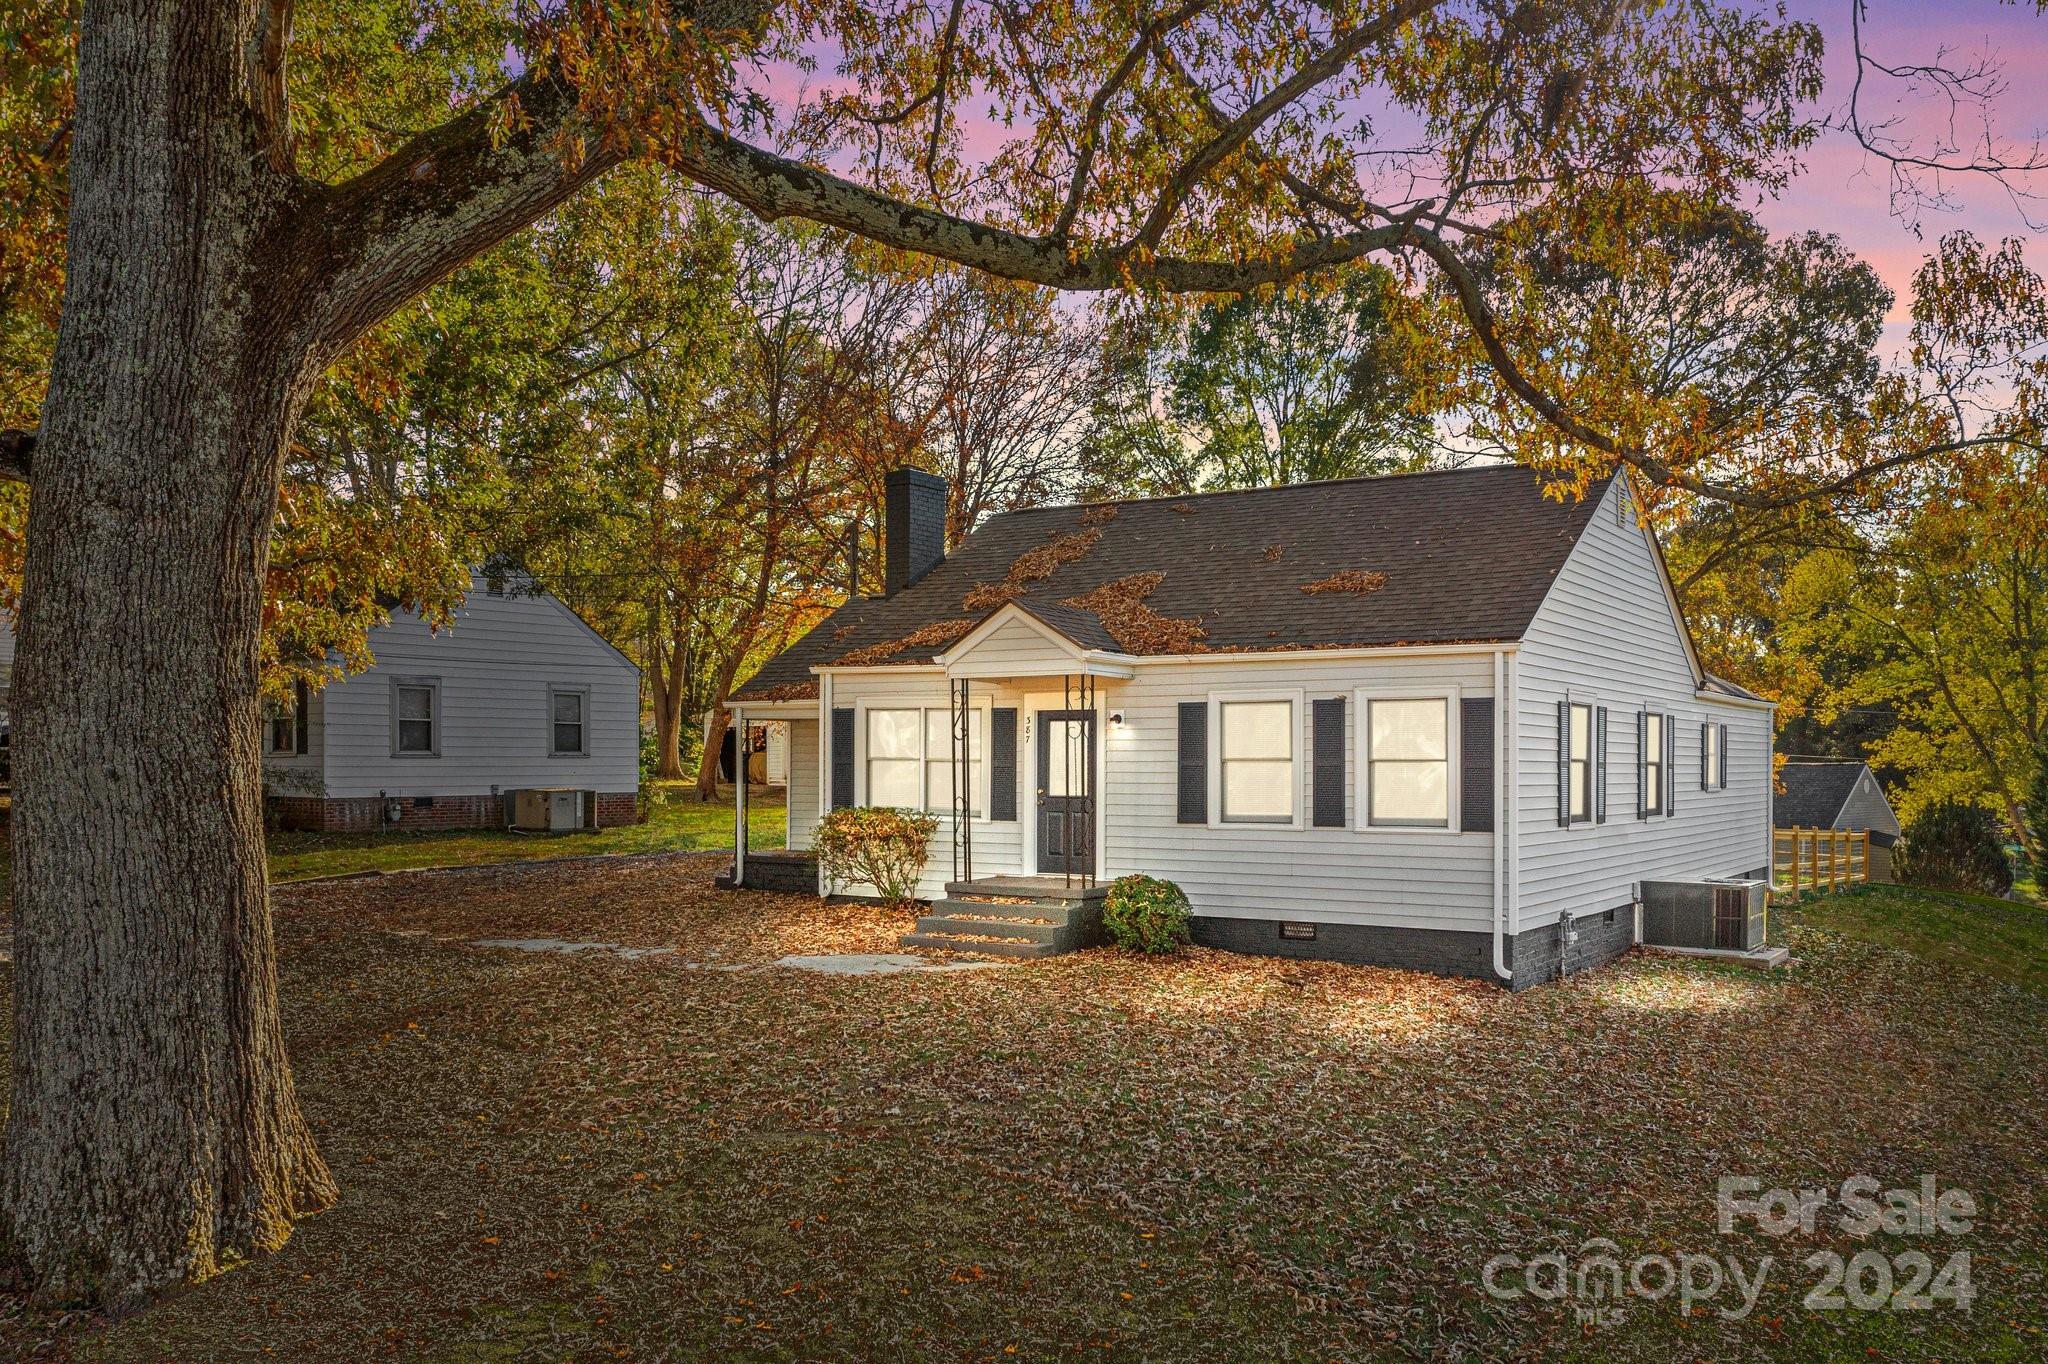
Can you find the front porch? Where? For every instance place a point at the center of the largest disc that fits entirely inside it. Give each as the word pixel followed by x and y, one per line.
pixel 1002 737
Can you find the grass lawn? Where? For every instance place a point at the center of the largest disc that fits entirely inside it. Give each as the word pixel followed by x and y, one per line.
pixel 701 1155
pixel 1999 938
pixel 676 822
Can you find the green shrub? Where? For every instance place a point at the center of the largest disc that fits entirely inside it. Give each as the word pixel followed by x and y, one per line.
pixel 875 846
pixel 1952 846
pixel 1146 914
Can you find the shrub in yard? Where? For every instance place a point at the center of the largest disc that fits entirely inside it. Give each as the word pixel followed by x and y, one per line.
pixel 1952 846
pixel 872 845
pixel 1146 914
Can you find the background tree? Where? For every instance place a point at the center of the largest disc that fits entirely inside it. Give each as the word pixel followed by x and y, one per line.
pixel 1306 382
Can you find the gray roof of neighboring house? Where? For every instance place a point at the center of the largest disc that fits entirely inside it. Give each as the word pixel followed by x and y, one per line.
pixel 1467 556
pixel 1814 793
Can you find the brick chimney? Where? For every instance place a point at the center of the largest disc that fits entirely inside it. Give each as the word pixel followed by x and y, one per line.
pixel 914 531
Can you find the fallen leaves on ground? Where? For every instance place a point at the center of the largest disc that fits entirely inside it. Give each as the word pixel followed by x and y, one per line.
pixel 1095 1155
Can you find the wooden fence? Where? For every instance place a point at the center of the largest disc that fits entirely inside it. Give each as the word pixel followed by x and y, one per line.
pixel 1805 860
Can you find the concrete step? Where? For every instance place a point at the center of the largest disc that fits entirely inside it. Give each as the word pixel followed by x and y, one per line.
pixel 1008 947
pixel 1046 889
pixel 992 928
pixel 1055 912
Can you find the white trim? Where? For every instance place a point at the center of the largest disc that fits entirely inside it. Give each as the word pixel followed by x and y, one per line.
pixel 1741 702
pixel 1297 748
pixel 1030 705
pixel 861 707
pixel 1452 695
pixel 996 620
pixel 1480 648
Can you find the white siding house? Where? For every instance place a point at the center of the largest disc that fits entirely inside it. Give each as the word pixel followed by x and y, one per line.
pixel 1360 746
pixel 517 692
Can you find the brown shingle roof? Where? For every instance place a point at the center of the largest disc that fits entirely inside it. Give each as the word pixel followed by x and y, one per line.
pixel 1468 555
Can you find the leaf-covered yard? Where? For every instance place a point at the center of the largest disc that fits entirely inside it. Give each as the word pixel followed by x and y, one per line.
pixel 696 1154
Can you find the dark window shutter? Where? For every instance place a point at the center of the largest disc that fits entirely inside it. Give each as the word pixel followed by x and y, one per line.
pixel 842 758
pixel 1724 758
pixel 1564 763
pixel 1328 769
pixel 1194 763
pixel 1642 764
pixel 302 718
pixel 1670 768
pixel 1002 759
pixel 1475 764
pixel 1600 765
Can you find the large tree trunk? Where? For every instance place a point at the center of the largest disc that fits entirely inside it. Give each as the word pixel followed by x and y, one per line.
pixel 154 1129
pixel 714 748
pixel 670 684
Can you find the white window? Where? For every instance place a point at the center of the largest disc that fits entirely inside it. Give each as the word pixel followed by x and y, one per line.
pixel 1408 761
pixel 1711 758
pixel 568 722
pixel 1256 759
pixel 415 717
pixel 938 761
pixel 1581 759
pixel 910 758
pixel 1653 764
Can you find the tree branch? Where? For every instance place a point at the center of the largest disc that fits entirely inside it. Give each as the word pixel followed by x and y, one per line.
pixel 775 187
pixel 1307 77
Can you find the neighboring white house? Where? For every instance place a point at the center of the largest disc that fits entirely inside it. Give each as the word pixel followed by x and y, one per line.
pixel 1436 720
pixel 518 692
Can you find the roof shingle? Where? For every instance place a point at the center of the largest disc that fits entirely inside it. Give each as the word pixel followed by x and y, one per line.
pixel 1467 556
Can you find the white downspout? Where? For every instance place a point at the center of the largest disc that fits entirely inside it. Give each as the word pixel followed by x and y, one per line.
pixel 824 758
pixel 739 795
pixel 1503 814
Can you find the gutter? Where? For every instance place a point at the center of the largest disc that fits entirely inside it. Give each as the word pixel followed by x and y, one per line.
pixel 1503 814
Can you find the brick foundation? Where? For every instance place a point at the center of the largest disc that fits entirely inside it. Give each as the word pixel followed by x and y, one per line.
pixel 1534 954
pixel 365 814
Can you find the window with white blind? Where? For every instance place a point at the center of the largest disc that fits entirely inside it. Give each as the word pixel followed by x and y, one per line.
pixel 1653 764
pixel 1580 758
pixel 1255 761
pixel 1408 761
pixel 910 758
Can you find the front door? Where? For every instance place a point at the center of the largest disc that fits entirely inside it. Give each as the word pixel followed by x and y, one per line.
pixel 1066 791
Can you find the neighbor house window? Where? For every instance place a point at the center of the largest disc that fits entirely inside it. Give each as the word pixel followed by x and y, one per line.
pixel 287 726
pixel 416 717
pixel 568 722
pixel 1408 762
pixel 1256 759
pixel 1711 758
pixel 910 758
pixel 1653 764
pixel 1580 757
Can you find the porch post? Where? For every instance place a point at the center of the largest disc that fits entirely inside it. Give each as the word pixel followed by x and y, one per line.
pixel 739 795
